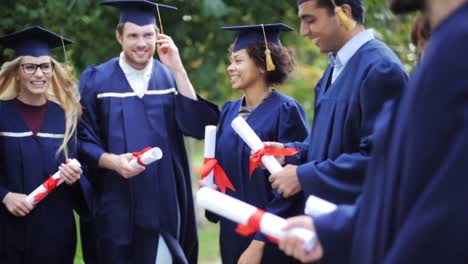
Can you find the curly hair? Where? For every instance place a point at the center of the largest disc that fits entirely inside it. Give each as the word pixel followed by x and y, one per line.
pixel 282 57
pixel 63 91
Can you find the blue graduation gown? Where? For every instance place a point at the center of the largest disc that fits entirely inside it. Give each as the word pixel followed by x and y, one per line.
pixel 130 214
pixel 278 118
pixel 336 153
pixel 47 234
pixel 413 205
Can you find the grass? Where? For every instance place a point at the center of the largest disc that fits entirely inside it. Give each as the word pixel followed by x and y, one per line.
pixel 208 234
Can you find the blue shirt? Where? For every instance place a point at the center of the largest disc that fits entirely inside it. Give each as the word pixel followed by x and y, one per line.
pixel 341 59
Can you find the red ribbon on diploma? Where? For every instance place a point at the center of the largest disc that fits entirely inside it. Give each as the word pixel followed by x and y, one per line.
pixel 220 176
pixel 138 154
pixel 49 185
pixel 256 158
pixel 253 226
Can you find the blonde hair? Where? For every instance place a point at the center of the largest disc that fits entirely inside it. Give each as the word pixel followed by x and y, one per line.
pixel 63 91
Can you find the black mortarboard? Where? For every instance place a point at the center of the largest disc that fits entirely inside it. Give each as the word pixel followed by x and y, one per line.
pixel 248 35
pixel 34 41
pixel 140 12
pixel 253 34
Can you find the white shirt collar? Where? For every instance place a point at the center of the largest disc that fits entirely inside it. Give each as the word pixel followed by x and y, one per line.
pixel 129 71
pixel 350 48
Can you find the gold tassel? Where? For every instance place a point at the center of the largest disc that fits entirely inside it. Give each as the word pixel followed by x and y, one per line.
pixel 270 66
pixel 346 21
pixel 160 21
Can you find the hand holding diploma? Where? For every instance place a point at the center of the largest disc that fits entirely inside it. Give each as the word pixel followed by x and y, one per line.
pixel 145 157
pixel 261 153
pixel 293 246
pixel 52 182
pixel 250 218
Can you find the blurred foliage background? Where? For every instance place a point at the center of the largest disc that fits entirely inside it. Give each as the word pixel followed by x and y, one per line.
pixel 203 47
pixel 195 29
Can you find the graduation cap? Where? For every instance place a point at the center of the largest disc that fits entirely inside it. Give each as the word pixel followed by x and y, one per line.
pixel 140 12
pixel 347 22
pixel 34 41
pixel 248 35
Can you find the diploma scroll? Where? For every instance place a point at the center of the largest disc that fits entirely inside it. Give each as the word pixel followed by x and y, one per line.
pixel 316 206
pixel 253 141
pixel 46 187
pixel 210 148
pixel 145 157
pixel 241 212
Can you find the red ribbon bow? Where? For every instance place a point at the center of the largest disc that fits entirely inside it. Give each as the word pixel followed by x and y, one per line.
pixel 138 154
pixel 220 176
pixel 253 226
pixel 256 158
pixel 49 185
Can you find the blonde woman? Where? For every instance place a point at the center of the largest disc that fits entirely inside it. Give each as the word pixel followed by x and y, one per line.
pixel 39 110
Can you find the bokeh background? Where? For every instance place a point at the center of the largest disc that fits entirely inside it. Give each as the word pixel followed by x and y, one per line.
pixel 203 48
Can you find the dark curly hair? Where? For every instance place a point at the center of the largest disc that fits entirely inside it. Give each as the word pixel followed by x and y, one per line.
pixel 282 57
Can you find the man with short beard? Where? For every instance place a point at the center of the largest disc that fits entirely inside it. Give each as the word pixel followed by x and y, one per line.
pixel 142 215
pixel 412 207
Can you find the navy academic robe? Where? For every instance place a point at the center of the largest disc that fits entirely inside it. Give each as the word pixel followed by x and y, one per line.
pixel 130 214
pixel 413 207
pixel 47 234
pixel 336 153
pixel 278 118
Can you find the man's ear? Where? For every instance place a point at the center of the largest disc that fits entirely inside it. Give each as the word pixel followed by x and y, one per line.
pixel 347 10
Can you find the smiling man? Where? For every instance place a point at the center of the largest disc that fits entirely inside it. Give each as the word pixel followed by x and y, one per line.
pixel 363 74
pixel 142 215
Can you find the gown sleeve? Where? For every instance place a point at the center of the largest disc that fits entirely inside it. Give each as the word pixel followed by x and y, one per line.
pixel 335 233
pixel 193 115
pixel 335 179
pixel 91 147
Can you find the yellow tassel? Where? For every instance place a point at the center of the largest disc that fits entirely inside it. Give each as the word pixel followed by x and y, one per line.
pixel 347 22
pixel 270 66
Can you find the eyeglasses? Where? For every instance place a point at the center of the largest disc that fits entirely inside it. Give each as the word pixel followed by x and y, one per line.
pixel 31 68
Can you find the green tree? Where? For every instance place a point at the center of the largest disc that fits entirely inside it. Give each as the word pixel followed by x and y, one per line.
pixel 195 29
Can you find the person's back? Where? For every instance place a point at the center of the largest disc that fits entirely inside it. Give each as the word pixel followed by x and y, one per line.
pixel 411 213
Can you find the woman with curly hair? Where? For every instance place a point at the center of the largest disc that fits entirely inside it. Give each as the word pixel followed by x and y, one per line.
pixel 258 62
pixel 39 111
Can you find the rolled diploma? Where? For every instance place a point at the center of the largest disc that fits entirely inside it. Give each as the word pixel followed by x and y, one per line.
pixel 210 148
pixel 253 141
pixel 41 188
pixel 240 212
pixel 316 206
pixel 147 157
